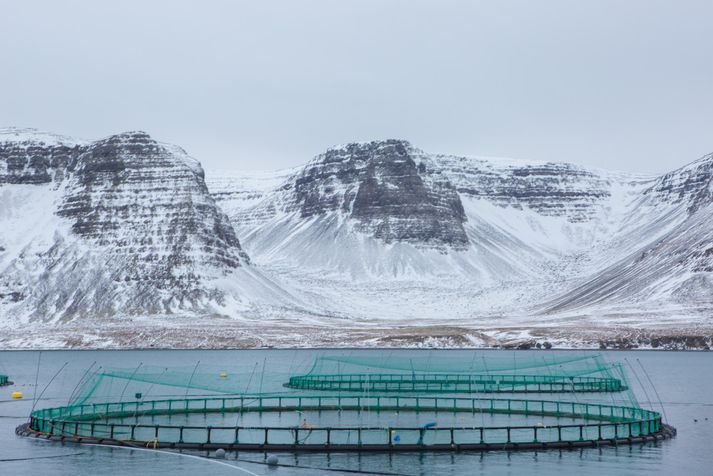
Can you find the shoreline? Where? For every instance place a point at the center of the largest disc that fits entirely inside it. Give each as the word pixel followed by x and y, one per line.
pixel 243 336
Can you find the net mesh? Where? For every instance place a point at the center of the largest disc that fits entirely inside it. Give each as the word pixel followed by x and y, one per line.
pixel 431 373
pixel 424 396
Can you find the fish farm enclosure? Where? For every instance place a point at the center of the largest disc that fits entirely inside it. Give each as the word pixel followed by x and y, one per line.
pixel 362 404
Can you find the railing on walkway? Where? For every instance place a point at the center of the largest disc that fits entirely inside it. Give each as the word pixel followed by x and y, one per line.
pixel 608 422
pixel 455 383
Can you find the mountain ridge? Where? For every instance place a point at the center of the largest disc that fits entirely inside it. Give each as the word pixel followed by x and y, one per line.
pixel 131 230
pixel 127 233
pixel 521 220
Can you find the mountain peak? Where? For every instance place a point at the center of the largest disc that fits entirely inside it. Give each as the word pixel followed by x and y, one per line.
pixel 130 137
pixel 30 135
pixel 384 190
pixel 139 231
pixel 372 145
pixel 385 150
pixel 691 184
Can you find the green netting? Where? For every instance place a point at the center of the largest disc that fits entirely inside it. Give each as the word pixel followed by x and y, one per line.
pixel 479 374
pixel 124 384
pixel 348 402
pixel 477 363
pixel 122 422
pixel 432 373
pixel 4 380
pixel 454 383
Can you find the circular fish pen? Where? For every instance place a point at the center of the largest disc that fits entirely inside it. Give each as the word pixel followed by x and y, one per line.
pixel 399 402
pixel 454 383
pixel 341 423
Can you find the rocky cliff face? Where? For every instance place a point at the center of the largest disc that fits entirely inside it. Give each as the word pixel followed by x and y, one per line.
pixel 691 185
pixel 131 230
pixel 518 237
pixel 142 198
pixel 385 200
pixel 125 227
pixel 387 190
pixel 548 189
pixel 671 265
pixel 31 157
pixel 398 193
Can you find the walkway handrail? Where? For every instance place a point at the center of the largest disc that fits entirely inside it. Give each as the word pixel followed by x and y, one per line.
pixel 611 422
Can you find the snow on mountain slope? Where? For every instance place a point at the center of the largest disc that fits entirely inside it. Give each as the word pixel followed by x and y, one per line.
pixel 365 239
pixel 387 231
pixel 123 226
pixel 366 210
pixel 676 270
pixel 388 209
pixel 237 190
pixel 665 246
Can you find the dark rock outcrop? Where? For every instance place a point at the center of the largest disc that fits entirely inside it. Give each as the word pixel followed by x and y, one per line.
pixel 691 185
pixel 548 189
pixel 387 190
pixel 131 182
pixel 27 157
pixel 145 236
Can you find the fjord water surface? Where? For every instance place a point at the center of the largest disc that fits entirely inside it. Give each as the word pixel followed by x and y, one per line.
pixel 684 381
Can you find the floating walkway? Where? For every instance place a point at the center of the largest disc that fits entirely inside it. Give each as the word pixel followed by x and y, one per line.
pixel 577 424
pixel 454 383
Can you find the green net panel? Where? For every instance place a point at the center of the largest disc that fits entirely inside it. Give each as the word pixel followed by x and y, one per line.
pixel 476 363
pixel 455 383
pixel 384 423
pixel 120 384
pixel 394 402
pixel 4 380
pixel 476 375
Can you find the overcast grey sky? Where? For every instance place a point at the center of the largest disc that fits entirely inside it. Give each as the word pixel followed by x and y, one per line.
pixel 264 84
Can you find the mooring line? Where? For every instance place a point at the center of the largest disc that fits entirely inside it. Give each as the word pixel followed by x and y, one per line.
pixel 129 446
pixel 200 458
pixel 335 470
pixel 8 460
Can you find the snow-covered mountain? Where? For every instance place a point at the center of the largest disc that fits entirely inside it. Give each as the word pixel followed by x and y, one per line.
pixel 122 239
pixel 668 263
pixel 386 210
pixel 391 233
pixel 122 226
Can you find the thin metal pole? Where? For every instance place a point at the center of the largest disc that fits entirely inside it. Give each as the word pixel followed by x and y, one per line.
pixel 262 375
pixel 663 410
pixel 188 386
pixel 633 370
pixel 47 386
pixel 128 381
pixel 37 377
pixel 81 380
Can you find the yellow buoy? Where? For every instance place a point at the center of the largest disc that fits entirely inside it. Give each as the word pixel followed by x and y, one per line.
pixel 224 375
pixel 17 395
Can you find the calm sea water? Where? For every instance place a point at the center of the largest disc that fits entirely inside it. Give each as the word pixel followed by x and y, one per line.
pixel 684 381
